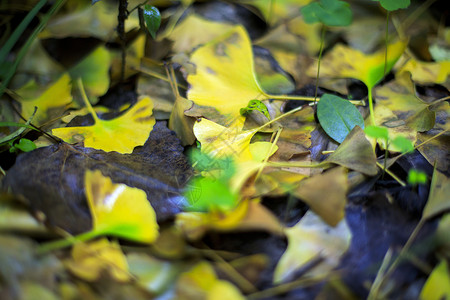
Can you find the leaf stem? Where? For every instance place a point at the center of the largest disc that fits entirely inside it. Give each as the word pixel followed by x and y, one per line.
pixel 86 101
pixel 392 175
pixel 66 242
pixel 322 37
pixel 369 96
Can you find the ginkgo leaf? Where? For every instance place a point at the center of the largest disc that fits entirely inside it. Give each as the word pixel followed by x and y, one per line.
pixel 88 21
pixel 355 153
pixel 220 141
pixel 345 62
pixel 325 194
pixel 57 95
pixel 201 282
pixel 120 210
pixel 278 10
pixel 248 215
pixel 224 76
pixel 94 71
pixel 89 260
pixel 312 239
pixel 437 287
pixel 427 72
pixel 121 134
pixel 395 125
pixel 185 36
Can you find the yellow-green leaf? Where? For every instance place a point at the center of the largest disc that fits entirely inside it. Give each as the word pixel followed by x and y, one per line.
pixel 94 71
pixel 438 198
pixel 345 62
pixel 89 260
pixel 120 210
pixel 220 141
pixel 121 134
pixel 437 286
pixel 57 95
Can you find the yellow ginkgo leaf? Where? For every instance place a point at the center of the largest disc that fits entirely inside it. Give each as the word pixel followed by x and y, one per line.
pixel 224 76
pixel 89 260
pixel 120 210
pixel 185 36
pixel 57 95
pixel 121 134
pixel 312 239
pixel 427 72
pixel 437 286
pixel 345 62
pixel 201 282
pixel 274 11
pixel 220 141
pixel 248 215
pixel 400 97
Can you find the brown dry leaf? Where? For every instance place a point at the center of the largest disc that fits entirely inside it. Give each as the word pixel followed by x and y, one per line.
pixel 355 153
pixel 325 194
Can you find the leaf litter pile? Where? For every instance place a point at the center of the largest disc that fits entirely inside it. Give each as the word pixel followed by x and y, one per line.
pixel 258 149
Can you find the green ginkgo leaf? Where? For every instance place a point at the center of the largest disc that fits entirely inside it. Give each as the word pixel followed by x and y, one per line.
pixel 328 12
pixel 338 116
pixel 152 19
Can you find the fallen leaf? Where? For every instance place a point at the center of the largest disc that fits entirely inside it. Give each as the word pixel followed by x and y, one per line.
pixel 427 72
pixel 338 116
pixel 219 141
pixel 51 179
pixel 114 214
pixel 121 134
pixel 58 95
pixel 94 72
pixel 224 76
pixel 438 199
pixel 325 194
pixel 185 35
pixel 248 215
pixel 396 127
pixel 89 261
pixel 312 239
pixel 345 62
pixel 355 153
pixel 201 282
pixel 153 275
pixel 88 21
pixel 276 11
pixel 437 287
pixel 400 97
